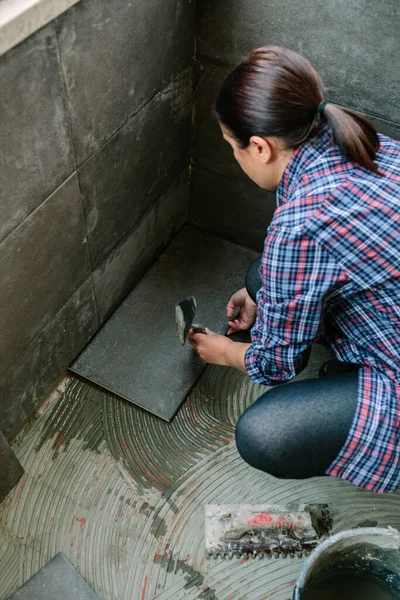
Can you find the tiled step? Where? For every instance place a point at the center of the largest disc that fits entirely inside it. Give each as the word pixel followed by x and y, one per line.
pixel 137 353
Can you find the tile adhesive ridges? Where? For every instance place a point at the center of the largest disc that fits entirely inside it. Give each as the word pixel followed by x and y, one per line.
pixel 121 494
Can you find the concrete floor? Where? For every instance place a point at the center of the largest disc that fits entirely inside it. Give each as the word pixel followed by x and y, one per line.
pixel 121 494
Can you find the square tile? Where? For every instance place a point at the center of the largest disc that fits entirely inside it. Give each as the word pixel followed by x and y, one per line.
pixel 140 47
pixel 354 45
pixel 42 263
pixel 230 206
pixel 125 177
pixel 36 152
pixel 124 266
pixel 37 370
pixel 137 353
pixel 209 149
pixel 56 580
pixel 11 470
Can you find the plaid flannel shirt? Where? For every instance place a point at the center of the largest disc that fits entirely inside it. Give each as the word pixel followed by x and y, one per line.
pixel 331 273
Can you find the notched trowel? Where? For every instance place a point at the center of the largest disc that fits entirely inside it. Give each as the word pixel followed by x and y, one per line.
pixel 271 530
pixel 185 313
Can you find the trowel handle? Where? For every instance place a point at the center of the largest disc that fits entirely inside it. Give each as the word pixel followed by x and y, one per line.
pixel 197 328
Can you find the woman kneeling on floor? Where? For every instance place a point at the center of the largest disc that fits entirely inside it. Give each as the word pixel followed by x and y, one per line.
pixel 329 273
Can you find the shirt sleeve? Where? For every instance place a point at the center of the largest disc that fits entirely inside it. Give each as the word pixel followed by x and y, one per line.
pixel 297 275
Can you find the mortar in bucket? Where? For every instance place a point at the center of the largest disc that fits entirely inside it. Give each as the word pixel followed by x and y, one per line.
pixel 356 564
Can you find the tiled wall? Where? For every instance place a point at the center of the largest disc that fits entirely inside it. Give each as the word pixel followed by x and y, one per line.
pixel 95 119
pixel 354 46
pixel 95 124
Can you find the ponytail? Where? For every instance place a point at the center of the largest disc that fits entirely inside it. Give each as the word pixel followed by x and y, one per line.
pixel 355 136
pixel 277 92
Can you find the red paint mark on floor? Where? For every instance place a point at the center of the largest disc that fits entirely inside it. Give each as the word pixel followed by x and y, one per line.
pixel 244 560
pixel 57 438
pixel 102 469
pixel 39 476
pixel 157 555
pixel 144 587
pixel 82 522
pixel 243 580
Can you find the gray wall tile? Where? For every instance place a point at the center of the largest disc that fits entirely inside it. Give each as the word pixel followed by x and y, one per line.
pixel 116 56
pixel 241 211
pixel 46 359
pixel 354 45
pixel 121 181
pixel 386 127
pixel 36 155
pixel 209 149
pixel 116 276
pixel 42 263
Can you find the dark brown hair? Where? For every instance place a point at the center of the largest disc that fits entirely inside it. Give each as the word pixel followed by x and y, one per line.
pixel 276 92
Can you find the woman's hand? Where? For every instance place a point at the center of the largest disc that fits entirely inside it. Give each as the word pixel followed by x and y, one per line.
pixel 211 347
pixel 247 314
pixel 219 350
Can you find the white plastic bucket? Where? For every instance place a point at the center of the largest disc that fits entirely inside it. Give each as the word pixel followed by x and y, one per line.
pixel 358 563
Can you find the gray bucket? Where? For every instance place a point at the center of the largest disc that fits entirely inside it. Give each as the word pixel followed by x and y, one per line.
pixel 359 563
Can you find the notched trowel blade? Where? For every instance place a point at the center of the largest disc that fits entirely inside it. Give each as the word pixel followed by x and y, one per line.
pixel 185 313
pixel 244 529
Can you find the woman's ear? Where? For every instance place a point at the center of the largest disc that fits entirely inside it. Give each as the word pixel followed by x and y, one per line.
pixel 261 149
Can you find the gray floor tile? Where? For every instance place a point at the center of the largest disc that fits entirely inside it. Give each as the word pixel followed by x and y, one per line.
pixel 10 468
pixel 58 580
pixel 137 353
pixel 31 110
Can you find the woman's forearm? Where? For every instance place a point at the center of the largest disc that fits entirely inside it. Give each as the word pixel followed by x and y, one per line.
pixel 234 355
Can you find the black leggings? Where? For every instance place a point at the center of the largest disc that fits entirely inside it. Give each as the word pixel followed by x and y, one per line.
pixel 297 430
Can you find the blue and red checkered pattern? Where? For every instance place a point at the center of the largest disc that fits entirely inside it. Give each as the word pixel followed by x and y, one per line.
pixel 331 273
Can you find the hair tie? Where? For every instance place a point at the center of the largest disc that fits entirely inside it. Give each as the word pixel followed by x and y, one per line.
pixel 321 107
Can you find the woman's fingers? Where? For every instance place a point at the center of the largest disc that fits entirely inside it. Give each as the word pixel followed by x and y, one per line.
pixel 236 300
pixel 234 326
pixel 230 310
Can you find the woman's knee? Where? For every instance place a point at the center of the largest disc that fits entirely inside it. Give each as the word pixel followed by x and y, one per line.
pixel 253 438
pixel 253 279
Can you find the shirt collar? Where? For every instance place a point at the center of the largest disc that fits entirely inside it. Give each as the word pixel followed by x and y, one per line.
pixel 301 158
